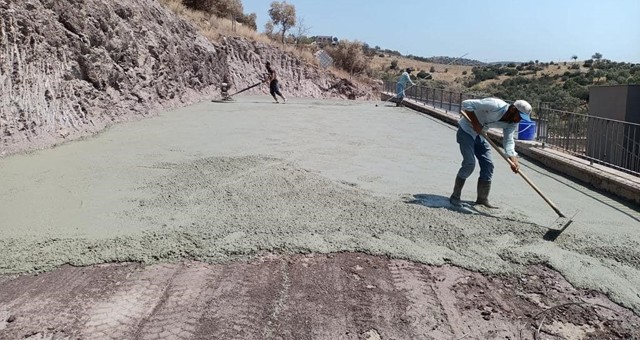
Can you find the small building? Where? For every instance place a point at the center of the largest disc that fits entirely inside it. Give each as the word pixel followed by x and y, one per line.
pixel 324 40
pixel 610 139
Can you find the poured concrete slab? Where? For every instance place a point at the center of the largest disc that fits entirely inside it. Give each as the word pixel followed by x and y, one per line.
pixel 214 181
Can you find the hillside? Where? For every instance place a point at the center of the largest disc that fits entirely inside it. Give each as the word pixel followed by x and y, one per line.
pixel 72 68
pixel 564 85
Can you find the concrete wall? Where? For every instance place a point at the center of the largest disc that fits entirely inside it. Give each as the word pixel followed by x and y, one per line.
pixel 614 142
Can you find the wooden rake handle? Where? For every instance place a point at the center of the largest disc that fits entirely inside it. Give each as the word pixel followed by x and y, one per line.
pixel 506 158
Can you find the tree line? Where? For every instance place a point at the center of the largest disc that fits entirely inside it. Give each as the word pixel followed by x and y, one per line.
pixel 567 91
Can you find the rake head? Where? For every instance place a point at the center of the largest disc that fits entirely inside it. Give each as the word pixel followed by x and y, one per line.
pixel 557 227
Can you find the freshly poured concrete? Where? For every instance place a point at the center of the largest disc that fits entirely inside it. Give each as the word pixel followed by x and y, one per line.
pixel 219 180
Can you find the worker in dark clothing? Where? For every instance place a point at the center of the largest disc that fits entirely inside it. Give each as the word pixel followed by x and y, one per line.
pixel 274 87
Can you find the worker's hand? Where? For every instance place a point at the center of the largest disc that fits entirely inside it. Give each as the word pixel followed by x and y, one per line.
pixel 515 166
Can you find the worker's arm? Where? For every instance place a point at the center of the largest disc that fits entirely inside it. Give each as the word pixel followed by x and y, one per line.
pixel 477 127
pixel 509 144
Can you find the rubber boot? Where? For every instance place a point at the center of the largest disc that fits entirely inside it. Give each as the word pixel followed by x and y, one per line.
pixel 457 191
pixel 484 187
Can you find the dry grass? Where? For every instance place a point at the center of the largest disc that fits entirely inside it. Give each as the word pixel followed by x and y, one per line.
pixel 215 29
pixel 453 73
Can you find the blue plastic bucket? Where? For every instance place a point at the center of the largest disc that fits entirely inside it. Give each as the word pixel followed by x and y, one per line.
pixel 527 130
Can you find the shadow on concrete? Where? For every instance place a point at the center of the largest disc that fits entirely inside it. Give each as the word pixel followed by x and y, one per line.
pixel 468 207
pixel 437 201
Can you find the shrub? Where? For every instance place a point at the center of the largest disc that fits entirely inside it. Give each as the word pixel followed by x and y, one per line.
pixel 219 8
pixel 424 75
pixel 349 56
pixel 510 72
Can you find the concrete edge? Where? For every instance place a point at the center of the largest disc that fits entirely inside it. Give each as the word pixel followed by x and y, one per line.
pixel 619 184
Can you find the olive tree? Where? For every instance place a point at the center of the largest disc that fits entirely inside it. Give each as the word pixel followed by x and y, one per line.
pixel 219 8
pixel 284 15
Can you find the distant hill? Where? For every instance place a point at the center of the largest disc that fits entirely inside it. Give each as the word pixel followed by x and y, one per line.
pixel 448 61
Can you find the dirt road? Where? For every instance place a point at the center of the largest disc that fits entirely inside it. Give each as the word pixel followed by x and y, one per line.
pixel 340 296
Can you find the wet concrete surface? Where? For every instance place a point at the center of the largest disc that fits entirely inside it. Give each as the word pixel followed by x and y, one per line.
pixel 218 182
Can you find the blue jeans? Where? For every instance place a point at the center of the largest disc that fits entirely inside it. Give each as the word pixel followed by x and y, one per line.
pixel 399 91
pixel 471 149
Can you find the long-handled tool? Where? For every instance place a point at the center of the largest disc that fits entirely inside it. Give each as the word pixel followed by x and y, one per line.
pixel 562 222
pixel 396 95
pixel 246 89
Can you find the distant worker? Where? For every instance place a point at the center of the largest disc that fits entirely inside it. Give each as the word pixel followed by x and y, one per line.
pixel 402 83
pixel 272 80
pixel 484 114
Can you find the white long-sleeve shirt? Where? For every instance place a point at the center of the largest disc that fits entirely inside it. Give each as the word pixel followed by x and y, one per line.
pixel 489 111
pixel 405 78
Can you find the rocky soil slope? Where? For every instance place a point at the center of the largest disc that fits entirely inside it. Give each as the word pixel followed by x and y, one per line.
pixel 71 68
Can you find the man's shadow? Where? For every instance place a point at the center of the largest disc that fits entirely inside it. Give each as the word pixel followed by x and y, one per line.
pixel 437 201
pixel 469 207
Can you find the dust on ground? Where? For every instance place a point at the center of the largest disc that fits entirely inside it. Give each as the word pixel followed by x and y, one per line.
pixel 334 296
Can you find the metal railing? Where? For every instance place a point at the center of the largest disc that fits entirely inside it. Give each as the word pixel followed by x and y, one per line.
pixel 436 98
pixel 609 142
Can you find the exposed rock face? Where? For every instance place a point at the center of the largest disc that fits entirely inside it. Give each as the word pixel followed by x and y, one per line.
pixel 70 68
pixel 246 65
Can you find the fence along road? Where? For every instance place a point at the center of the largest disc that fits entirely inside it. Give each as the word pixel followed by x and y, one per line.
pixel 602 152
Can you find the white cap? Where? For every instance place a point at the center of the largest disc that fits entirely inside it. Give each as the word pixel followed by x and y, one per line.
pixel 525 109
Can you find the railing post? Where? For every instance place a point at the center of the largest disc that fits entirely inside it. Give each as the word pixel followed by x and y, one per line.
pixel 426 99
pixel 433 97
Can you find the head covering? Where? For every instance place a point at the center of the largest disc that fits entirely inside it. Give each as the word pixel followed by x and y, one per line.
pixel 525 109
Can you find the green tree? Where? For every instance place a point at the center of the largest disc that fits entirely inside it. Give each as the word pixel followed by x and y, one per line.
pixel 423 75
pixel 597 56
pixel 228 8
pixel 219 8
pixel 574 57
pixel 284 15
pixel 249 20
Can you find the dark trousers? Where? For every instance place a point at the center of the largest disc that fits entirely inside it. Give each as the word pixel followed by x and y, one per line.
pixel 274 88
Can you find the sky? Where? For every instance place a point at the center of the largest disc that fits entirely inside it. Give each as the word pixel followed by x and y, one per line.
pixel 488 31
